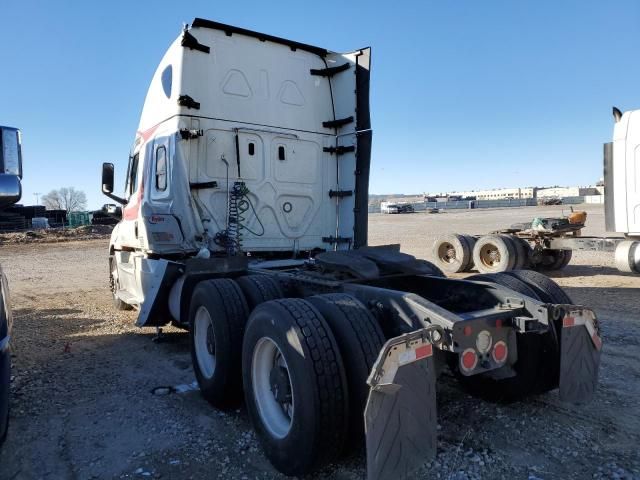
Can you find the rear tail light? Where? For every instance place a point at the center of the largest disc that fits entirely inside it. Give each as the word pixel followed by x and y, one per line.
pixel 468 360
pixel 500 352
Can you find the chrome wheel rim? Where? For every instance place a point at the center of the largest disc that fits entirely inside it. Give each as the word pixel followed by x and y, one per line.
pixel 447 253
pixel 490 256
pixel 204 342
pixel 272 391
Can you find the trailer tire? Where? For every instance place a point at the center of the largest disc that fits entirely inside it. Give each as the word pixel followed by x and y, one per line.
pixel 258 289
pixel 566 259
pixel 360 340
pixel 627 256
pixel 453 253
pixel 548 290
pixel 289 345
pixel 494 254
pixel 471 241
pixel 553 260
pixel 114 285
pixel 522 253
pixel 217 316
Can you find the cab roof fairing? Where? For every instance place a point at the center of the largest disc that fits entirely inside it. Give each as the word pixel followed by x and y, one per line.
pixel 157 106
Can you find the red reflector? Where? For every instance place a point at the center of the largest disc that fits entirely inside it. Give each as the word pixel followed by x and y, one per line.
pixel 568 322
pixel 469 359
pixel 499 323
pixel 424 351
pixel 500 352
pixel 467 330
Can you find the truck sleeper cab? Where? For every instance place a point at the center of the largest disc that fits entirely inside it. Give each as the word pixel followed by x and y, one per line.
pixel 245 222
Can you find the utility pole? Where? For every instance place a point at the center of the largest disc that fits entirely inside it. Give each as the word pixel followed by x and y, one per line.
pixel 37 194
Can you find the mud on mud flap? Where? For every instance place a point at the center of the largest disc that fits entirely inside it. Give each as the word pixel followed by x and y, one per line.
pixel 400 416
pixel 579 355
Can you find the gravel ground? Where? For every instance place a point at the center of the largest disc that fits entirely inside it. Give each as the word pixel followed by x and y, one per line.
pixel 86 403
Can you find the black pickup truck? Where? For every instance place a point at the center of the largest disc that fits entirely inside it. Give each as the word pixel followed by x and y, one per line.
pixel 10 193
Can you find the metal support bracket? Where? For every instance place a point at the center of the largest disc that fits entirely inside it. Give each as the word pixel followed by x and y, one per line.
pixel 331 239
pixel 329 71
pixel 341 150
pixel 203 185
pixel 340 122
pixel 187 134
pixel 191 42
pixel 187 101
pixel 340 193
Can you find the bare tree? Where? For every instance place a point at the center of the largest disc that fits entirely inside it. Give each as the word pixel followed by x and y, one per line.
pixel 65 198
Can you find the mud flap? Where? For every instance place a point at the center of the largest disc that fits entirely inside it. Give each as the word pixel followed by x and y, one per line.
pixel 400 415
pixel 579 356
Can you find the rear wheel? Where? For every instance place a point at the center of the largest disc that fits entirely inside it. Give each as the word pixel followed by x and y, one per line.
pixel 453 253
pixel 258 289
pixel 494 253
pixel 360 339
pixel 547 290
pixel 522 253
pixel 217 316
pixel 295 385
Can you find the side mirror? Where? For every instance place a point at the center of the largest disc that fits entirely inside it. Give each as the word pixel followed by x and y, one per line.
pixel 107 183
pixel 107 177
pixel 10 151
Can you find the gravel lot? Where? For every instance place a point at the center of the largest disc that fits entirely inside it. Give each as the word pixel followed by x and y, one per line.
pixel 84 377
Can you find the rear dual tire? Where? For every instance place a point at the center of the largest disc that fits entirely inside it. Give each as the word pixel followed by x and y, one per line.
pixel 217 316
pixel 494 254
pixel 295 385
pixel 454 253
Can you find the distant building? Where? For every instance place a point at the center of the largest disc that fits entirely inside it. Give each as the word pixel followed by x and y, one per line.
pixel 493 194
pixel 561 192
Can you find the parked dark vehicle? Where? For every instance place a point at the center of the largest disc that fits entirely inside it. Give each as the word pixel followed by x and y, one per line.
pixel 5 357
pixel 10 193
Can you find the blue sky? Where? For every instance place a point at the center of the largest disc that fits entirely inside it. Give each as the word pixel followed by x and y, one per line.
pixel 466 94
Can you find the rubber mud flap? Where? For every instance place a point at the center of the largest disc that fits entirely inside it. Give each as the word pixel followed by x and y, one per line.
pixel 401 422
pixel 579 357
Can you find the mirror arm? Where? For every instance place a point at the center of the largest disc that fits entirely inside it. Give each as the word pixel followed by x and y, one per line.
pixel 118 199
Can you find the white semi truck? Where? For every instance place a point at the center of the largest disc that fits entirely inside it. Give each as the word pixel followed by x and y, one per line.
pixel 245 222
pixel 548 244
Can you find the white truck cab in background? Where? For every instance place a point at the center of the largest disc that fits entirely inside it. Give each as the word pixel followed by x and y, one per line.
pixel 622 188
pixel 622 175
